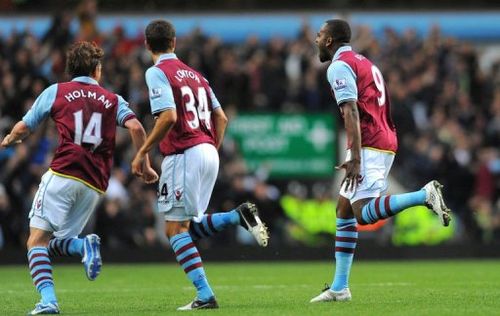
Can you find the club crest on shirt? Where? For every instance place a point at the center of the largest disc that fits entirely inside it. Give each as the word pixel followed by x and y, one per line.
pixel 339 84
pixel 178 195
pixel 155 93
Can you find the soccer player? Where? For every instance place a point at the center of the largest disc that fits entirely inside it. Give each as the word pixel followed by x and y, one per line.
pixel 361 94
pixel 86 116
pixel 190 126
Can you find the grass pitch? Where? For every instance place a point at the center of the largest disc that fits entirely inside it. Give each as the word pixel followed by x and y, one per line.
pixel 379 288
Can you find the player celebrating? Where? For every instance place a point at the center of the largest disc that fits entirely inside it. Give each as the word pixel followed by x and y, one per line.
pixel 363 99
pixel 190 128
pixel 86 116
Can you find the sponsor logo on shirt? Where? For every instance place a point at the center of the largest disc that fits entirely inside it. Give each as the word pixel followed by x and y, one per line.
pixel 339 84
pixel 155 93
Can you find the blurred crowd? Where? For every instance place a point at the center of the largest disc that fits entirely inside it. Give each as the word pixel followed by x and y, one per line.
pixel 447 111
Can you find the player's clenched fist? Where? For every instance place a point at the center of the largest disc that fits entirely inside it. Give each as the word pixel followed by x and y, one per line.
pixel 149 175
pixel 137 165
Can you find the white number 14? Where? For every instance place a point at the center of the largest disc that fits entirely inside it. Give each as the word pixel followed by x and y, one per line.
pixel 92 133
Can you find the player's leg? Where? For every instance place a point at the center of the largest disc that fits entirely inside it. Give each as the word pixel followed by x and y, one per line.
pixel 345 244
pixel 41 270
pixel 209 225
pixel 371 210
pixel 346 238
pixel 189 258
pixel 82 203
pixel 87 248
pixel 66 247
pixel 181 203
pixel 245 215
pixel 369 202
pixel 42 222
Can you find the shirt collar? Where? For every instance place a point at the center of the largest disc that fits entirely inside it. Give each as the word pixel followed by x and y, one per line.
pixel 340 51
pixel 85 79
pixel 165 57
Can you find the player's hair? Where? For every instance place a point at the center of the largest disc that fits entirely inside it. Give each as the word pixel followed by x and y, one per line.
pixel 82 58
pixel 160 35
pixel 339 30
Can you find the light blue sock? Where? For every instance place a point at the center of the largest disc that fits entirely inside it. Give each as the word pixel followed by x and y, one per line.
pixel 346 238
pixel 48 294
pixel 213 223
pixel 66 247
pixel 188 257
pixel 76 246
pixel 41 273
pixel 390 205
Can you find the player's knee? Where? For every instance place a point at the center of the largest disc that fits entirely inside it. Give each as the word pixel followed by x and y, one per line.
pixel 35 240
pixel 359 217
pixel 343 212
pixel 357 209
pixel 29 243
pixel 175 228
pixel 360 220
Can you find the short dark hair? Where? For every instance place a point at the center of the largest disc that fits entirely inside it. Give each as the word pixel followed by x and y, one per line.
pixel 339 30
pixel 160 35
pixel 82 58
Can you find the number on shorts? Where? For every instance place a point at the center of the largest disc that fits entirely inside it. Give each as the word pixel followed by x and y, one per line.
pixel 379 82
pixel 201 113
pixel 163 191
pixel 92 133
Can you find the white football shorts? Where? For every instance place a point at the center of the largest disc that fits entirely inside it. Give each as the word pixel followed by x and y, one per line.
pixel 62 205
pixel 375 167
pixel 187 181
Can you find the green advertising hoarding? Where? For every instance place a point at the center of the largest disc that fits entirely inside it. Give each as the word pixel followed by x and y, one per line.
pixel 286 145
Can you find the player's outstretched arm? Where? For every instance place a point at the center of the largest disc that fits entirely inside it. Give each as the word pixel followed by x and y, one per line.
pixel 220 120
pixel 163 124
pixel 19 132
pixel 352 167
pixel 138 135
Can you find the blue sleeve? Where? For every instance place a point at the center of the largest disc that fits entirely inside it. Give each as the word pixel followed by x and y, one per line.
pixel 215 102
pixel 124 113
pixel 342 79
pixel 41 108
pixel 161 96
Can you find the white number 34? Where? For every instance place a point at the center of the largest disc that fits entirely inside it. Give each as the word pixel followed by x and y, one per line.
pixel 201 113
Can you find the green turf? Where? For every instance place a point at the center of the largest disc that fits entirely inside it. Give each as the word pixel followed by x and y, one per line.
pixel 379 288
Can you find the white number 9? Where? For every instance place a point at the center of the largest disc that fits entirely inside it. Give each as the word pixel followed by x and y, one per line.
pixel 379 82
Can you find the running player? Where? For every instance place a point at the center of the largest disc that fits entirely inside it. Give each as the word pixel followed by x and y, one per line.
pixel 86 116
pixel 190 128
pixel 361 94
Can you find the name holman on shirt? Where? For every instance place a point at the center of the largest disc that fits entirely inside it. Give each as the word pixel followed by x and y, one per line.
pixel 75 94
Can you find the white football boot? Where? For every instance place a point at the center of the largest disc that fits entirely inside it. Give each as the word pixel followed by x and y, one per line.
pixel 45 309
pixel 197 304
pixel 435 202
pixel 328 295
pixel 250 220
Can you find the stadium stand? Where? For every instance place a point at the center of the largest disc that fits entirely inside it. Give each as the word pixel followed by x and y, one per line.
pixel 446 107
